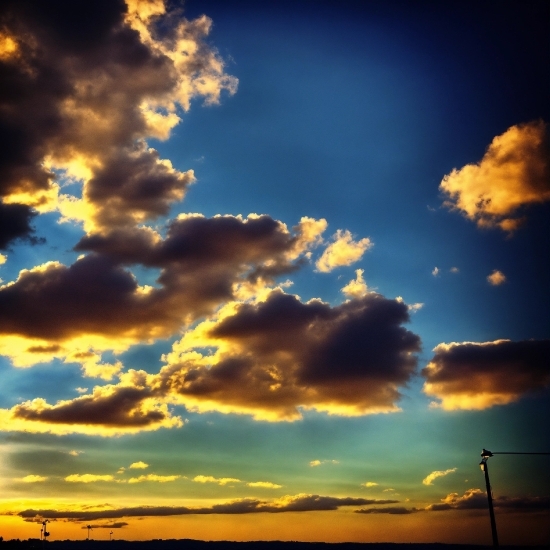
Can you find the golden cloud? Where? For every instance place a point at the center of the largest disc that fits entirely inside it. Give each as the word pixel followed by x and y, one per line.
pixel 342 251
pixel 263 485
pixel 138 465
pixel 496 278
pixel 153 477
pixel 513 173
pixel 218 480
pixel 88 478
pixel 83 112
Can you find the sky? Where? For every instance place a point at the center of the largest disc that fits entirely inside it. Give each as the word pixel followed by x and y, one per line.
pixel 274 270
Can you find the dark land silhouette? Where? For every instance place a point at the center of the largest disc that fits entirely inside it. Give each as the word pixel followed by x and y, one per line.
pixel 188 544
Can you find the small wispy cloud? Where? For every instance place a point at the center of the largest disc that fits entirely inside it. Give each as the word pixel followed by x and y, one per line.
pixel 435 271
pixel 454 270
pixel 138 465
pixel 88 478
pixel 32 479
pixel 153 477
pixel 428 480
pixel 369 484
pixel 75 452
pixel 496 278
pixel 218 480
pixel 264 485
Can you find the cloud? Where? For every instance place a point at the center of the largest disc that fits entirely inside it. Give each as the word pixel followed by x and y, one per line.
pixel 454 270
pixel 473 375
pixel 263 485
pixel 128 407
pixel 270 358
pixel 435 271
pixel 99 304
pixel 88 478
pixel 356 288
pixel 369 484
pixel 342 251
pixel 218 480
pixel 75 453
pixel 397 510
pixel 496 278
pixel 513 173
pixel 475 499
pixel 153 477
pixel 297 503
pixel 32 479
pixel 15 224
pixel 428 480
pixel 138 465
pixel 86 89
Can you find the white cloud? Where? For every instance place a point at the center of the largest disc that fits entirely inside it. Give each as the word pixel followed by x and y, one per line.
pixel 428 480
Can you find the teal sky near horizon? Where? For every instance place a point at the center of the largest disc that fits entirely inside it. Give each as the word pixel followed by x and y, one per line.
pixel 363 114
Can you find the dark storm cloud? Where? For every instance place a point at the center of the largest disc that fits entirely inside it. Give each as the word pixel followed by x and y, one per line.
pixel 281 354
pixel 474 375
pixel 298 503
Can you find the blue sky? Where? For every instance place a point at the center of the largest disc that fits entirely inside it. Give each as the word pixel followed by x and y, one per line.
pixel 164 356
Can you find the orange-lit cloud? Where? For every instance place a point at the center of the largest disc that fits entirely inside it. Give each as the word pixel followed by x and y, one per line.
pixel 342 251
pixel 278 355
pixel 496 278
pixel 513 173
pixel 83 103
pixel 128 407
pixel 100 306
pixel 428 480
pixel 473 375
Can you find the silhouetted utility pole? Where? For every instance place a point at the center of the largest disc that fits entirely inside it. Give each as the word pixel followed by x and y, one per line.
pixel 485 455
